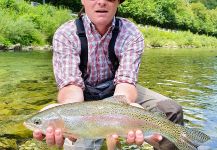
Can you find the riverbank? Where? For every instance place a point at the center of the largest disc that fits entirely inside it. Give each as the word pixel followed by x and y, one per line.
pixel 155 37
pixel 18 47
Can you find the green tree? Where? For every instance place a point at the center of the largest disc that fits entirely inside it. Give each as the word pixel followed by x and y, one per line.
pixel 74 5
pixel 183 15
pixel 211 4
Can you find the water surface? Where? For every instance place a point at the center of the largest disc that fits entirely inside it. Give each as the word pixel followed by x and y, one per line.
pixel 189 76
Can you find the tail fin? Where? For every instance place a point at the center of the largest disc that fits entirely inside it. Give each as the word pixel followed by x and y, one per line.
pixel 191 139
pixel 194 136
pixel 183 145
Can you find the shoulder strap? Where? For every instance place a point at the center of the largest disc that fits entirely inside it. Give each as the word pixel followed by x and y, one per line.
pixel 84 46
pixel 112 56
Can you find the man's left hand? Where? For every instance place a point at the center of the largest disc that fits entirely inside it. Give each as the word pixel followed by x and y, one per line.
pixel 136 137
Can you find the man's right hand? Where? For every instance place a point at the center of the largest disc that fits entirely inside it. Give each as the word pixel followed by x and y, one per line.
pixel 53 136
pixel 68 94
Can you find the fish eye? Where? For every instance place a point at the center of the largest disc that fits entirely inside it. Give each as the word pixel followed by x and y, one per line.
pixel 37 121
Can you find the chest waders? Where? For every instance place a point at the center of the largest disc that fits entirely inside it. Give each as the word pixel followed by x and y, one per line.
pixel 104 89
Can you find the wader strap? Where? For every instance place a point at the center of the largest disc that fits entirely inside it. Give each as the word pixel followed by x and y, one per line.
pixel 84 47
pixel 97 93
pixel 112 56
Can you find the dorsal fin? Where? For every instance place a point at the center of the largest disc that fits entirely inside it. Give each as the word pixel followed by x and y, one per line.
pixel 117 99
pixel 122 99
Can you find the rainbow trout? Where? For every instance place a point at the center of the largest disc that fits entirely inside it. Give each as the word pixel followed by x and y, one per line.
pixel 99 119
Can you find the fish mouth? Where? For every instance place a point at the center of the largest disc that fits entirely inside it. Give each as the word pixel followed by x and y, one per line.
pixel 29 126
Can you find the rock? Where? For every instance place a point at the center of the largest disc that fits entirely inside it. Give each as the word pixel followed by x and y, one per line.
pixel 42 48
pixel 27 48
pixel 2 47
pixel 47 48
pixel 19 47
pixel 16 47
pixel 35 3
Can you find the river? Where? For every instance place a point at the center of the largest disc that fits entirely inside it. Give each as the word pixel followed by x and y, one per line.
pixel 189 76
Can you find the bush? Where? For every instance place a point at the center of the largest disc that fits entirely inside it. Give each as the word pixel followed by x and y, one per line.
pixel 22 23
pixel 74 5
pixel 172 14
pixel 157 37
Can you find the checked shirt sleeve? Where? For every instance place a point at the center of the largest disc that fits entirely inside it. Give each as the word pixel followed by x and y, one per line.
pixel 66 57
pixel 130 59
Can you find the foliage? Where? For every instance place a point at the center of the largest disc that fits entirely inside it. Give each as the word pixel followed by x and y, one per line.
pixel 22 23
pixel 25 24
pixel 172 14
pixel 211 4
pixel 74 5
pixel 158 37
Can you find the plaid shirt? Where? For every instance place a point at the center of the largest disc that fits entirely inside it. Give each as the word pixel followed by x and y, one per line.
pixel 129 47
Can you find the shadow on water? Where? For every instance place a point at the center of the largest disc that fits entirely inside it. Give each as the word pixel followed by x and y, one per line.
pixel 188 76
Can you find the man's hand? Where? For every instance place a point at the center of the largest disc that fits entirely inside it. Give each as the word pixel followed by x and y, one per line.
pixel 53 136
pixel 136 137
pixel 68 94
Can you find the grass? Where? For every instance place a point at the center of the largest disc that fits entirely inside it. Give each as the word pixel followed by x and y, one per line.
pixel 157 37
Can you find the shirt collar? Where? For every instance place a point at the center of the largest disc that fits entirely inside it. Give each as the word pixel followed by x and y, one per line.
pixel 92 26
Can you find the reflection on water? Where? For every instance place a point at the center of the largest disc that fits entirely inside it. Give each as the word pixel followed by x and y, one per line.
pixel 190 78
pixel 187 76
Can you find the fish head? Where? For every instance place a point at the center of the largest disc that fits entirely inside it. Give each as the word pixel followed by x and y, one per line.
pixel 44 119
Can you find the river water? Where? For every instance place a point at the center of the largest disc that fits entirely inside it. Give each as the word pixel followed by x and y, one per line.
pixel 189 76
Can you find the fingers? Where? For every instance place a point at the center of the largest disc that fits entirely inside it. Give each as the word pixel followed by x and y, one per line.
pixel 131 137
pixel 59 138
pixel 50 139
pixel 53 137
pixel 154 140
pixel 155 137
pixel 114 137
pixel 136 137
pixel 37 134
pixel 139 137
pixel 112 141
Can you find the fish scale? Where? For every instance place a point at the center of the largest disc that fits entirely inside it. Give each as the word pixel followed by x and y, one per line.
pixel 99 119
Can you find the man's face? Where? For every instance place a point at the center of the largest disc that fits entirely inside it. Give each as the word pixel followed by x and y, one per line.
pixel 100 12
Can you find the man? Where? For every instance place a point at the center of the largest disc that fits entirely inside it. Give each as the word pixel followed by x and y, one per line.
pixel 99 76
